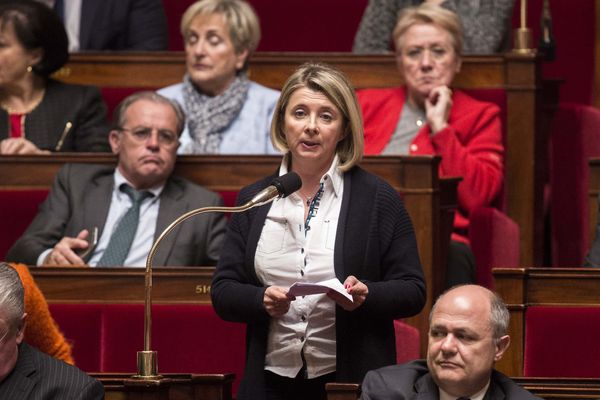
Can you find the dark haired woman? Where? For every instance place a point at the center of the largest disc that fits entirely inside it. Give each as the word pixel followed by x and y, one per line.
pixel 38 114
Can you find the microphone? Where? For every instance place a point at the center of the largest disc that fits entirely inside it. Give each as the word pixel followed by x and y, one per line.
pixel 282 186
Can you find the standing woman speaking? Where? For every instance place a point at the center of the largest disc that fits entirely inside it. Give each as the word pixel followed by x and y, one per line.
pixel 343 223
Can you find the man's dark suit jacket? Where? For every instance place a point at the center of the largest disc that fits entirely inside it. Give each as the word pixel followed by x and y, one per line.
pixel 412 381
pixel 37 376
pixel 80 199
pixel 123 25
pixel 80 105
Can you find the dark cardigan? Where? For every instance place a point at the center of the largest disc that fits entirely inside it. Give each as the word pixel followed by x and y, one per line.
pixel 375 242
pixel 80 105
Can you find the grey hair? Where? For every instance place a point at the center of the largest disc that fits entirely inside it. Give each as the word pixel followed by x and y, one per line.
pixel 121 110
pixel 499 315
pixel 12 295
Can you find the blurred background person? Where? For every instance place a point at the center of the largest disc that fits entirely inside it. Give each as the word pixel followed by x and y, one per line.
pixel 343 223
pixel 113 24
pixel 226 112
pixel 486 24
pixel 37 113
pixel 426 117
pixel 25 372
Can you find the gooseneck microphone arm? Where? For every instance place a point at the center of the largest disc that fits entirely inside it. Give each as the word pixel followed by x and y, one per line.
pixel 281 186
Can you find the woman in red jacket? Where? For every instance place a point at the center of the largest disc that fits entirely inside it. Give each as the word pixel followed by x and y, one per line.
pixel 426 117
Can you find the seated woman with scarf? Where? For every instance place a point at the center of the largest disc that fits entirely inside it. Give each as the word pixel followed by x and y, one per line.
pixel 226 112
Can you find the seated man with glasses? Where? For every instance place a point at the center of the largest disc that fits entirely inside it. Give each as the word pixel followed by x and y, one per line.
pixel 105 216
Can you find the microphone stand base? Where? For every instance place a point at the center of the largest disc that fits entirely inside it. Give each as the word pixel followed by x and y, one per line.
pixel 147 366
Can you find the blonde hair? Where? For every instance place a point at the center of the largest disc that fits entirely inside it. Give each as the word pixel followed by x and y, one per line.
pixel 240 18
pixel 338 89
pixel 432 14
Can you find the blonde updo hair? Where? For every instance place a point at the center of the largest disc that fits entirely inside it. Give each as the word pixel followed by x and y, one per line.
pixel 338 89
pixel 432 14
pixel 240 18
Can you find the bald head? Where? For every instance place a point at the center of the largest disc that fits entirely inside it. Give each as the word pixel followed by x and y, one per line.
pixel 467 327
pixel 499 316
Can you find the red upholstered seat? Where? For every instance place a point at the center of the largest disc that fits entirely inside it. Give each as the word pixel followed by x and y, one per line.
pixel 575 137
pixel 407 342
pixel 562 342
pixel 17 210
pixel 188 338
pixel 278 16
pixel 113 95
pixel 494 236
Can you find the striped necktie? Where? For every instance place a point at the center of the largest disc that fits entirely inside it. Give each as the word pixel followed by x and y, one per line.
pixel 122 237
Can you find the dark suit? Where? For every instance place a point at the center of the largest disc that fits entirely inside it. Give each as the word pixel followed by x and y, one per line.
pixel 123 25
pixel 412 381
pixel 37 376
pixel 80 105
pixel 80 199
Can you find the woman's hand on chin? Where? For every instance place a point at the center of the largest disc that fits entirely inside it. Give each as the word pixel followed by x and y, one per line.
pixel 20 146
pixel 437 108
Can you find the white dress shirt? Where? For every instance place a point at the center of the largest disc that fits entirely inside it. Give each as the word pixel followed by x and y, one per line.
pixel 286 254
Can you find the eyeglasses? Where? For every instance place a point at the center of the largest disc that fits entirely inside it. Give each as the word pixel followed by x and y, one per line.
pixel 142 134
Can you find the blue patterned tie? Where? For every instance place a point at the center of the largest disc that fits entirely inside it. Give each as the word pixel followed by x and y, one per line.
pixel 122 237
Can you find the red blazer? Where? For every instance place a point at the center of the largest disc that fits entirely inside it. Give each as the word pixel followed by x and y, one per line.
pixel 470 146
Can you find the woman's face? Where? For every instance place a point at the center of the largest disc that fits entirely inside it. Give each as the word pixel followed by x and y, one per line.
pixel 426 59
pixel 14 58
pixel 313 126
pixel 211 60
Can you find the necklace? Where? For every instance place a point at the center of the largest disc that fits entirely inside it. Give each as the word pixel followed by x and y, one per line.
pixel 32 104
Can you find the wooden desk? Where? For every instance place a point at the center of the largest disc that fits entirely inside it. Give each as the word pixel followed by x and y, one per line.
pixel 429 200
pixel 172 387
pixel 546 388
pixel 529 106
pixel 524 287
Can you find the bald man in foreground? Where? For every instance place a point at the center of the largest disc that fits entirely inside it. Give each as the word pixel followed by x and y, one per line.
pixel 467 335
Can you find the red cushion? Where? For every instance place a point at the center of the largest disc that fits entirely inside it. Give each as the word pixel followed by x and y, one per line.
pixel 188 338
pixel 494 241
pixel 407 342
pixel 562 342
pixel 275 17
pixel 81 324
pixel 113 95
pixel 574 139
pixel 18 208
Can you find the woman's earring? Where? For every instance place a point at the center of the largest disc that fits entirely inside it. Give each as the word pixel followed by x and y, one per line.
pixel 29 68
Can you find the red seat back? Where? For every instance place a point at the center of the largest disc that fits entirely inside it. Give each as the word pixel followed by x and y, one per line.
pixel 17 210
pixel 575 137
pixel 275 17
pixel 407 342
pixel 562 342
pixel 188 338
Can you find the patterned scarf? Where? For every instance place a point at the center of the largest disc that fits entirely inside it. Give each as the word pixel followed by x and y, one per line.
pixel 208 117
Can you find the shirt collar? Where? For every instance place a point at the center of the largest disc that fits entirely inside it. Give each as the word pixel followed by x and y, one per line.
pixel 120 179
pixel 334 175
pixel 477 396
